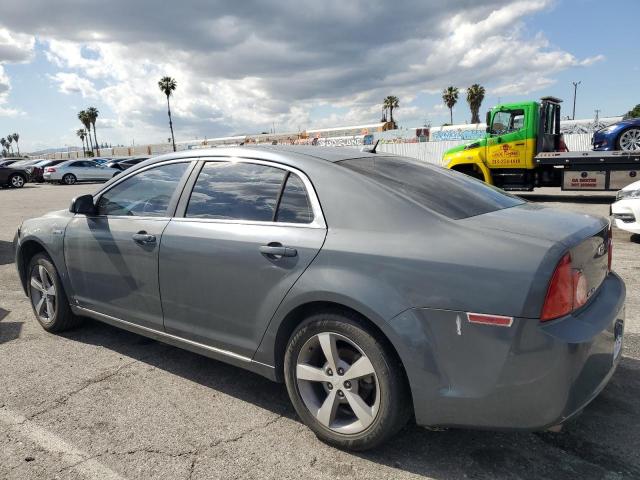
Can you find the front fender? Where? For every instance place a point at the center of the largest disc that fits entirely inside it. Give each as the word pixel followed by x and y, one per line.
pixel 473 157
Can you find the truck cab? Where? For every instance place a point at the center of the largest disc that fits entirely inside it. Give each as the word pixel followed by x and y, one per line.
pixel 516 133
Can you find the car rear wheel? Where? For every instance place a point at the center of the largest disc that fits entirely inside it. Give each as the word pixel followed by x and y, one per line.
pixel 16 180
pixel 629 140
pixel 69 179
pixel 48 298
pixel 344 382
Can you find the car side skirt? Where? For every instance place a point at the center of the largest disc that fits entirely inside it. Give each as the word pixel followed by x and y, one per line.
pixel 206 350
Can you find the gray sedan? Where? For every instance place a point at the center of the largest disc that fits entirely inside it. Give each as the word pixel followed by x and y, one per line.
pixel 378 288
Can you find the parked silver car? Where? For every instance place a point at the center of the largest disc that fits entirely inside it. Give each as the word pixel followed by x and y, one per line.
pixel 74 171
pixel 378 288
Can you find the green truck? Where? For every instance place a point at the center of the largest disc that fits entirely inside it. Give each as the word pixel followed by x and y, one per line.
pixel 523 149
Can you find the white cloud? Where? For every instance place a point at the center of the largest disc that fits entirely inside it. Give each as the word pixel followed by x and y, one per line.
pixel 242 66
pixel 74 83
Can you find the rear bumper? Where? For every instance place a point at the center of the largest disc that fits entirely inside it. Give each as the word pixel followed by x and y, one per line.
pixel 528 376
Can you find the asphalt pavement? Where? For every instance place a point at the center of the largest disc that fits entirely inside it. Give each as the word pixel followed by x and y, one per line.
pixel 98 402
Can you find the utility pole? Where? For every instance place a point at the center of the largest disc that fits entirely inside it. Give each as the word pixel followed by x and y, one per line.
pixel 575 90
pixel 597 115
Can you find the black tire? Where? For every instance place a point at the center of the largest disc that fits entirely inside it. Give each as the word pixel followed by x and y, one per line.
pixel 394 407
pixel 61 318
pixel 17 180
pixel 69 179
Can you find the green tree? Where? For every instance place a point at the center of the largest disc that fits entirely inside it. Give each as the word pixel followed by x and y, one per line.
pixel 634 113
pixel 84 119
pixel 475 96
pixel 450 98
pixel 82 134
pixel 9 141
pixel 390 103
pixel 16 137
pixel 167 86
pixel 92 113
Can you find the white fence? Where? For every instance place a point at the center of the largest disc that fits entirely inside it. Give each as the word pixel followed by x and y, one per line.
pixel 432 152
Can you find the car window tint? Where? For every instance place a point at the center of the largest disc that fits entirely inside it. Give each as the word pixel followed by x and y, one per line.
pixel 77 164
pixel 236 191
pixel 294 204
pixel 145 194
pixel 444 191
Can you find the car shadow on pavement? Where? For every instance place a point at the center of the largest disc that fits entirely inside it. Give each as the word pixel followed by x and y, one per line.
pixel 635 238
pixel 600 443
pixel 6 252
pixel 569 198
pixel 8 330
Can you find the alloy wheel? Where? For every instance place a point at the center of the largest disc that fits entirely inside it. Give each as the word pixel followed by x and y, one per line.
pixel 630 140
pixel 338 383
pixel 17 181
pixel 43 294
pixel 69 179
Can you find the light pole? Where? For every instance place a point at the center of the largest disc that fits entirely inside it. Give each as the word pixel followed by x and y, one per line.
pixel 575 90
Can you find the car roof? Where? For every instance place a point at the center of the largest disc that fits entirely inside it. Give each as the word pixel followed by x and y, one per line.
pixel 292 155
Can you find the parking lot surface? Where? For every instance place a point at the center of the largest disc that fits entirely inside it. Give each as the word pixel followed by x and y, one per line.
pixel 99 402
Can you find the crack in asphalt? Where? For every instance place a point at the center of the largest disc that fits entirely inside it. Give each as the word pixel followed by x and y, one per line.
pixel 62 400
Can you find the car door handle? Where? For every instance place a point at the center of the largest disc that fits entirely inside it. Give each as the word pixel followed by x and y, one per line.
pixel 520 144
pixel 143 238
pixel 278 250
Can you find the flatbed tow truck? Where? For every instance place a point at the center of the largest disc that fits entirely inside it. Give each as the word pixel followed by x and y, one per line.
pixel 523 149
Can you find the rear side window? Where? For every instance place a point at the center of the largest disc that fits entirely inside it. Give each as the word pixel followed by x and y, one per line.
pixel 446 192
pixel 236 191
pixel 294 204
pixel 145 194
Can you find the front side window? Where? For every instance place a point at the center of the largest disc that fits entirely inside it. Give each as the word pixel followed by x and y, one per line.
pixel 507 121
pixel 236 191
pixel 145 194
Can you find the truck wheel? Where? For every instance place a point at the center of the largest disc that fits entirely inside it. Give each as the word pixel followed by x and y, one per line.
pixel 629 140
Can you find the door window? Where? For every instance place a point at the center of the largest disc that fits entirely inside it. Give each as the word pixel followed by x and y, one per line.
pixel 236 191
pixel 294 204
pixel 145 194
pixel 507 121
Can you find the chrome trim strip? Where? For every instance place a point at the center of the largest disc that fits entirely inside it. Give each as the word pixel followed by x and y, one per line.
pixel 167 335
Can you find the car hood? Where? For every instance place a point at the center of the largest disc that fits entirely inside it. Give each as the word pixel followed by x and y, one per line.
pixel 632 186
pixel 537 221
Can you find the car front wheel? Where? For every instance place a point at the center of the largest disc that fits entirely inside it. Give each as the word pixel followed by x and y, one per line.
pixel 47 295
pixel 629 140
pixel 345 383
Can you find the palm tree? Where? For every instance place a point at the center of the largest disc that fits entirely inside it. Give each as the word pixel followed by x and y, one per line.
pixel 82 134
pixel 390 103
pixel 84 119
pixel 450 98
pixel 475 96
pixel 4 144
pixel 92 113
pixel 167 86
pixel 9 140
pixel 16 137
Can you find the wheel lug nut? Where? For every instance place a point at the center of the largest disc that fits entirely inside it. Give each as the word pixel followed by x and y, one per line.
pixel 329 372
pixel 340 371
pixel 347 384
pixel 340 394
pixel 330 386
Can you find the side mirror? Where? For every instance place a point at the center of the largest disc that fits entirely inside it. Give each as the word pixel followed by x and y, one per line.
pixel 83 204
pixel 488 121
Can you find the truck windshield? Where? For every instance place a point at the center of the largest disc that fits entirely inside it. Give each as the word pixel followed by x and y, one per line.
pixel 446 192
pixel 506 121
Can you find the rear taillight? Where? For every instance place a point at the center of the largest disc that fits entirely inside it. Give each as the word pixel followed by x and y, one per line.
pixel 50 169
pixel 559 299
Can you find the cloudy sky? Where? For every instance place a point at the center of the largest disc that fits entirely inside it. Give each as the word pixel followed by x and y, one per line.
pixel 249 66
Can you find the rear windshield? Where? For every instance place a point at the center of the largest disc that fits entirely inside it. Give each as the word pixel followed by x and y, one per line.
pixel 449 193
